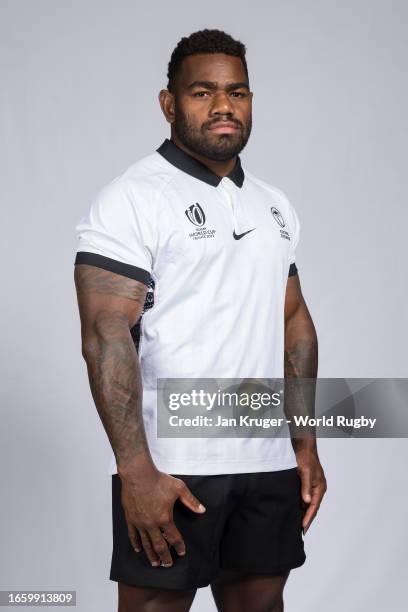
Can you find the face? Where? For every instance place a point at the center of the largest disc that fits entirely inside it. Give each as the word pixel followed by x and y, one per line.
pixel 211 109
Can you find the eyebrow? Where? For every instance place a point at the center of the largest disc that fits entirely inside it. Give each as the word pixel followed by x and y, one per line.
pixel 214 85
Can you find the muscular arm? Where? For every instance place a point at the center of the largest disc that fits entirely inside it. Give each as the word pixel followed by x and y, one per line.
pixel 109 305
pixel 301 360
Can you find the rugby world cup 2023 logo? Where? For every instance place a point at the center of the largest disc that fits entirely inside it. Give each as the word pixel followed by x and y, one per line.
pixel 195 214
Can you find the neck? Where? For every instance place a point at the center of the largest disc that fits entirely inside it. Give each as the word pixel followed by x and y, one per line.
pixel 222 168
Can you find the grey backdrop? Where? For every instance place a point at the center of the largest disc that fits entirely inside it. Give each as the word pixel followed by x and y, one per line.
pixel 79 105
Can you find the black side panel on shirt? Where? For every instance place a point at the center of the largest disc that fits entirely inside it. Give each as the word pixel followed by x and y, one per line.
pixel 292 269
pixel 149 303
pixel 112 265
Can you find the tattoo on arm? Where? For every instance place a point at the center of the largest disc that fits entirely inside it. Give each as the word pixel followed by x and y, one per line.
pixel 89 279
pixel 300 366
pixel 111 358
pixel 301 358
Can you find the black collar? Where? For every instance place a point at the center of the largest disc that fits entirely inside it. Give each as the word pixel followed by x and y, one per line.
pixel 183 161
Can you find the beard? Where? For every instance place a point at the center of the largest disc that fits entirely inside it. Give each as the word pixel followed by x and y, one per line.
pixel 200 140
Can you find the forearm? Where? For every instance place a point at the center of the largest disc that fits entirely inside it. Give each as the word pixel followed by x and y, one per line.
pixel 115 381
pixel 300 368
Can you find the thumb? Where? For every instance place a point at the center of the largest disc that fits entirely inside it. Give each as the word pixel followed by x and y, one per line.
pixel 188 499
pixel 306 487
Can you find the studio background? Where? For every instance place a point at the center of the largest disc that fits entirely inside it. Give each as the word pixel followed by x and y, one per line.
pixel 79 105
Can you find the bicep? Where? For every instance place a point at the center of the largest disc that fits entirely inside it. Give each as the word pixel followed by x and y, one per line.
pixel 297 316
pixel 293 297
pixel 104 293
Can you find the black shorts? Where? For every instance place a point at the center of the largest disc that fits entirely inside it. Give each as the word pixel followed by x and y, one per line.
pixel 252 523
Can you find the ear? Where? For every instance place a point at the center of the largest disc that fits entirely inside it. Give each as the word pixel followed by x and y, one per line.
pixel 166 100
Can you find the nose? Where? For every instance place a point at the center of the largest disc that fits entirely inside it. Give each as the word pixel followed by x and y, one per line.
pixel 221 104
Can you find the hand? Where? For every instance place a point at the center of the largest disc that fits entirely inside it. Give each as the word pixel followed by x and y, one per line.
pixel 148 502
pixel 313 484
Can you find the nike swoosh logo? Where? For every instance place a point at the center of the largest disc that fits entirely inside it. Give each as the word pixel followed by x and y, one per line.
pixel 239 236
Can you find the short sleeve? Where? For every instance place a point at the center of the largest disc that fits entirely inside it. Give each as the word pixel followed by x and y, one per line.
pixel 116 233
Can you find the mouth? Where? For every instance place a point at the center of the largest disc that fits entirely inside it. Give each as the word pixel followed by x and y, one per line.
pixel 224 127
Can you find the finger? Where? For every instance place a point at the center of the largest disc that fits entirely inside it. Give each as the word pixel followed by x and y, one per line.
pixel 160 547
pixel 189 500
pixel 317 496
pixel 309 516
pixel 134 537
pixel 174 538
pixel 148 548
pixel 306 486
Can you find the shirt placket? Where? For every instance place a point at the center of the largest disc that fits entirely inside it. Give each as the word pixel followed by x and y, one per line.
pixel 238 220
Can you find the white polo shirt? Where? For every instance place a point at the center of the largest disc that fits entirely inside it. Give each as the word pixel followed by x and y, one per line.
pixel 216 254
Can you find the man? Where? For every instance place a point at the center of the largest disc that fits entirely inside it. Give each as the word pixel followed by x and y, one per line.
pixel 186 269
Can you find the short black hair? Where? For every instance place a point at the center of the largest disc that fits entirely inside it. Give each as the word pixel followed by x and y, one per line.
pixel 204 41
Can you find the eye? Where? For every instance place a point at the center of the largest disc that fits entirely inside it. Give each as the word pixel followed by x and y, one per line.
pixel 239 94
pixel 200 94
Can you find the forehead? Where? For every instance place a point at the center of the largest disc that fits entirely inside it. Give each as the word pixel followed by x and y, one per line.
pixel 211 67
